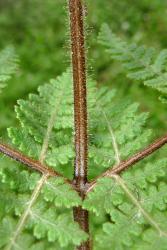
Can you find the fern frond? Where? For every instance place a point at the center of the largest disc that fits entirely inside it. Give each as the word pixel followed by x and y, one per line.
pixel 44 111
pixel 52 107
pixel 140 63
pixel 109 121
pixel 111 236
pixel 8 65
pixel 130 237
pixel 134 203
pixel 45 134
pixel 28 242
pixel 56 227
pixel 60 194
pixel 134 210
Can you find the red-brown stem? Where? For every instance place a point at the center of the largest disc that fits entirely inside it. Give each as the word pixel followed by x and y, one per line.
pixel 130 162
pixel 31 163
pixel 80 109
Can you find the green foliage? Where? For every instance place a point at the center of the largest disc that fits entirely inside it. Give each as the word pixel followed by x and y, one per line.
pixel 105 195
pixel 140 63
pixel 46 132
pixel 55 227
pixel 8 65
pixel 147 185
pixel 51 108
pixel 144 181
pixel 110 235
pixel 27 241
pixel 40 111
pixel 44 129
pixel 42 56
pixel 46 122
pixel 60 194
pixel 109 119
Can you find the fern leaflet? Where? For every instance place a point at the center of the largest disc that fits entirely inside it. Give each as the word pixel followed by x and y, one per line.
pixel 140 63
pixel 8 65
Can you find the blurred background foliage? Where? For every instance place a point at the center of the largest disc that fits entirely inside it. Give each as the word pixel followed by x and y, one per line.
pixel 39 32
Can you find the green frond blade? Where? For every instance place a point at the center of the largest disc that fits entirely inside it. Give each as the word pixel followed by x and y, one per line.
pixel 8 65
pixel 60 193
pixel 48 224
pixel 46 130
pixel 45 133
pixel 109 121
pixel 140 63
pixel 51 107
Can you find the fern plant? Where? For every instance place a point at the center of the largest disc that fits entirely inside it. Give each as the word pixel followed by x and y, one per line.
pixel 105 203
pixel 140 63
pixel 8 65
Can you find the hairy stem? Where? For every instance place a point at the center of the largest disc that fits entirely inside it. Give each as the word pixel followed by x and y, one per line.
pixel 130 162
pixel 79 81
pixel 31 163
pixel 76 11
